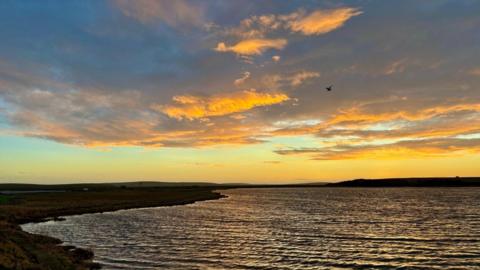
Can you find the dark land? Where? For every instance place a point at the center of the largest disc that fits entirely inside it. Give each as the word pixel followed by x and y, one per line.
pixel 23 203
pixel 411 182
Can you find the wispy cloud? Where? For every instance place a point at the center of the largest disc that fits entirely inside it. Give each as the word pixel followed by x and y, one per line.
pixel 300 77
pixel 320 21
pixel 363 116
pixel 317 22
pixel 406 149
pixel 277 81
pixel 252 46
pixel 241 80
pixel 396 67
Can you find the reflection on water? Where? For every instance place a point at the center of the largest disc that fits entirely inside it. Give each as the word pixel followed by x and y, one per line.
pixel 308 228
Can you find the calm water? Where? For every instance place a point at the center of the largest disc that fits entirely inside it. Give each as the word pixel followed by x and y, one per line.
pixel 311 228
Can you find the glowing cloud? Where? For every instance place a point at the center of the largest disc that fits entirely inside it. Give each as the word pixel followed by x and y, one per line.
pixel 315 23
pixel 252 46
pixel 358 134
pixel 194 107
pixel 320 21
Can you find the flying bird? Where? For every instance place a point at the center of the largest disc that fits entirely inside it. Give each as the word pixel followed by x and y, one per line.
pixel 329 88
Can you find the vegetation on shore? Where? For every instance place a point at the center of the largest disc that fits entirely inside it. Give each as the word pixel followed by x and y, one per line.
pixel 22 250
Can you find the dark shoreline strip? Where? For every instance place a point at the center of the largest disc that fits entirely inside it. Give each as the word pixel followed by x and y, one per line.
pixel 113 208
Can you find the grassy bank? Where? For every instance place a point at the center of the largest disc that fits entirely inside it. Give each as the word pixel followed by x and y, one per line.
pixel 22 250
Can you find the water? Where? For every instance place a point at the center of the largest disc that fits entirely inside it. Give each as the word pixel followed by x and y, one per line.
pixel 301 228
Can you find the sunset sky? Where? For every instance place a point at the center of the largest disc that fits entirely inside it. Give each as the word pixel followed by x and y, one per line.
pixel 234 91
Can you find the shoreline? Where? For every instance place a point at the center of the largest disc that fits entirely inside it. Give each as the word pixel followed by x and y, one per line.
pixel 23 250
pixel 61 217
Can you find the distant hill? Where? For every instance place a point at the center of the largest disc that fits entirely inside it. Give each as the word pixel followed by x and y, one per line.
pixel 28 188
pixel 388 182
pixel 109 186
pixel 411 182
pixel 62 187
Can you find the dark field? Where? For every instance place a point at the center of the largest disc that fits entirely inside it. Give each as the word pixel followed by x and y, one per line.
pixel 4 199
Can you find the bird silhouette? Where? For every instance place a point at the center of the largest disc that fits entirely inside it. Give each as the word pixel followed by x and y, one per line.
pixel 329 88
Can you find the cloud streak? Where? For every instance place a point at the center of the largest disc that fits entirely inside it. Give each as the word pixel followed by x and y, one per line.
pixel 406 149
pixel 317 22
pixel 242 80
pixel 293 80
pixel 252 46
pixel 300 77
pixel 320 21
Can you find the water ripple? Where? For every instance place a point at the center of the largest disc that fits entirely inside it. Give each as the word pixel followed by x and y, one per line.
pixel 311 228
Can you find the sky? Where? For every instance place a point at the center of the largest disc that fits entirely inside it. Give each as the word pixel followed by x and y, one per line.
pixel 234 91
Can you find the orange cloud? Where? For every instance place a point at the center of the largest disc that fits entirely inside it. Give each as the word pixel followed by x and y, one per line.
pixel 252 46
pixel 357 133
pixel 315 23
pixel 354 119
pixel 128 132
pixel 252 31
pixel 194 107
pixel 320 21
pixel 93 117
pixel 357 116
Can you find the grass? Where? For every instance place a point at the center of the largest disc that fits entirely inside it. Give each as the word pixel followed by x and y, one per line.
pixel 4 199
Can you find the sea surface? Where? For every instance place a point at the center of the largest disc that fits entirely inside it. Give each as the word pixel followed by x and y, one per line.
pixel 294 228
